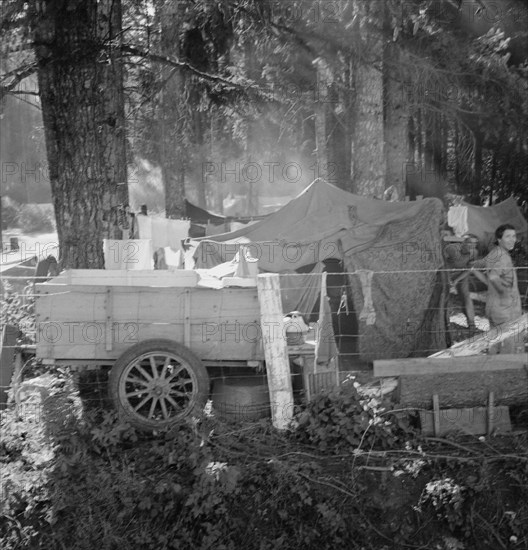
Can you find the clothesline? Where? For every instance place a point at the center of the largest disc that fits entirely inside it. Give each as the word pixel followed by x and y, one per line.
pixel 357 272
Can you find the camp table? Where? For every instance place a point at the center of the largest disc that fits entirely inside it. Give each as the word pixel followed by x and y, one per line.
pixel 159 331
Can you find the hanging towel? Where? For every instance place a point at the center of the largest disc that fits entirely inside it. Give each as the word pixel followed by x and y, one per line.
pixel 457 218
pixel 144 226
pixel 160 237
pixel 134 254
pixel 247 266
pixel 174 259
pixel 177 230
pixel 368 313
pixel 325 346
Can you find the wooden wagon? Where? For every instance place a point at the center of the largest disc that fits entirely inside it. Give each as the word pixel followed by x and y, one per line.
pixel 159 331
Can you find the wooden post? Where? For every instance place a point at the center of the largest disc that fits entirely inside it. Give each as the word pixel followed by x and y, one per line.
pixel 187 318
pixel 109 333
pixel 436 413
pixel 7 360
pixel 275 350
pixel 491 411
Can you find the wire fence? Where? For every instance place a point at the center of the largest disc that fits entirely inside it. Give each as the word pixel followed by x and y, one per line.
pixel 237 391
pixel 346 294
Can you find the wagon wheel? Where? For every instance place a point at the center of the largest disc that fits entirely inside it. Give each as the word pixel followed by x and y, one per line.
pixel 157 383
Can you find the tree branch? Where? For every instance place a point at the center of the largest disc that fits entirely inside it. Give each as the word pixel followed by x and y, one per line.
pixel 18 75
pixel 173 62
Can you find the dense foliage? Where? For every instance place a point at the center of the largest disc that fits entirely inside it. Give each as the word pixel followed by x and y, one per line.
pixel 75 476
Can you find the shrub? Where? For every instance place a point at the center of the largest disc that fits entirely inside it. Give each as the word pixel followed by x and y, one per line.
pixel 18 310
pixel 344 419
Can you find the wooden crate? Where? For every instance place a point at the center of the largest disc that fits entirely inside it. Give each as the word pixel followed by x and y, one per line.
pixel 99 322
pixel 475 421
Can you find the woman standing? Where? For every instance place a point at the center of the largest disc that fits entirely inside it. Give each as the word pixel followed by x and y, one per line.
pixel 503 302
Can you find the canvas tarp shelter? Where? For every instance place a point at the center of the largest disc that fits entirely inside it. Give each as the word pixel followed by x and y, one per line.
pixel 200 215
pixel 399 242
pixel 483 220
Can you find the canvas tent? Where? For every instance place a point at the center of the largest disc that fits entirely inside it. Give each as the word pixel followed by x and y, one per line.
pixel 391 250
pixel 483 220
pixel 200 215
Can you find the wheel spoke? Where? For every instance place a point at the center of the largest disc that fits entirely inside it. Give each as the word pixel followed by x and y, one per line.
pixel 176 372
pixel 153 366
pixel 179 393
pixel 181 382
pixel 136 393
pixel 136 409
pixel 164 408
pixel 153 407
pixel 172 402
pixel 134 380
pixel 165 365
pixel 142 371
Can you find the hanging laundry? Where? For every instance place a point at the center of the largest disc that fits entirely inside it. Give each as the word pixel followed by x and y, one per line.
pixel 325 347
pixel 144 226
pixel 457 218
pixel 160 238
pixel 134 254
pixel 368 313
pixel 177 230
pixel 247 266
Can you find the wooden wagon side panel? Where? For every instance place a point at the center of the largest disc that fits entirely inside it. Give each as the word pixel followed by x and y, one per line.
pixel 99 323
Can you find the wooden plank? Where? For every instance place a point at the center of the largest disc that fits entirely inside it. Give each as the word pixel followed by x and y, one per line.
pixel 275 350
pixel 491 410
pixel 109 333
pixel 76 321
pixel 455 364
pixel 490 341
pixel 436 415
pixel 8 339
pixel 467 420
pixel 466 389
pixel 187 319
pixel 147 304
pixel 121 277
pixel 327 381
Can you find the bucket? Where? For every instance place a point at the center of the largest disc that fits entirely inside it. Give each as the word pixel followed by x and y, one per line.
pixel 295 329
pixel 241 399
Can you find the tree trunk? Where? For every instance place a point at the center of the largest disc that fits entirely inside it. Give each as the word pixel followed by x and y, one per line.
pixel 396 121
pixel 320 112
pixel 338 134
pixel 419 137
pixel 172 149
pixel 216 183
pixel 428 141
pixel 368 155
pixel 368 142
pixel 81 90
